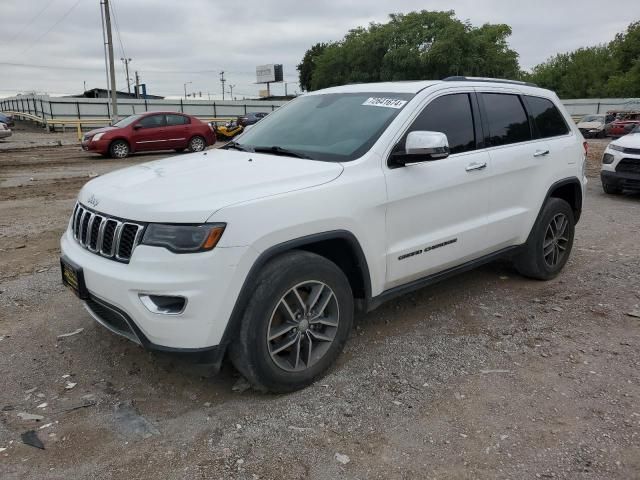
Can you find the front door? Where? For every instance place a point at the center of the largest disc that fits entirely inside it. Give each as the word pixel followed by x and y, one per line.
pixel 149 133
pixel 437 210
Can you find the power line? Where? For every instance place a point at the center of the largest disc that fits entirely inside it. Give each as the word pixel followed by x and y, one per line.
pixel 115 21
pixel 66 14
pixel 33 19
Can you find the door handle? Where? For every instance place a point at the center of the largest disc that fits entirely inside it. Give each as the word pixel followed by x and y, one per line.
pixel 476 166
pixel 541 153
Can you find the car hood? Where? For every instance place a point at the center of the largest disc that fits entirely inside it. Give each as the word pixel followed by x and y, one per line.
pixel 95 131
pixel 590 125
pixel 190 188
pixel 631 140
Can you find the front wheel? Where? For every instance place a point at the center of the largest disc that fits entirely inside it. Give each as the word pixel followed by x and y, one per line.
pixel 611 190
pixel 295 324
pixel 197 144
pixel 550 241
pixel 119 149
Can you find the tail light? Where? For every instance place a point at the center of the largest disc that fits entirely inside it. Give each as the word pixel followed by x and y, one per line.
pixel 585 145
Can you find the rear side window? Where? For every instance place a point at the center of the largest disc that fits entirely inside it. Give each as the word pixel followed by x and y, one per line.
pixel 173 120
pixel 451 115
pixel 546 117
pixel 507 119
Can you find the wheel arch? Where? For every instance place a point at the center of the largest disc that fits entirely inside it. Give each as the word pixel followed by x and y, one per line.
pixel 569 190
pixel 339 246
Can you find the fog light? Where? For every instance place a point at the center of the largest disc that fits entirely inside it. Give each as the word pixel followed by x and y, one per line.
pixel 163 304
pixel 607 158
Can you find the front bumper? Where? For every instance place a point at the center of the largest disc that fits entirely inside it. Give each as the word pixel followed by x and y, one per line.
pixel 101 146
pixel 210 281
pixel 629 181
pixel 5 133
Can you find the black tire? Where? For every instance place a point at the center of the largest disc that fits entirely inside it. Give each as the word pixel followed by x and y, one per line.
pixel 252 352
pixel 197 144
pixel 611 190
pixel 534 261
pixel 119 149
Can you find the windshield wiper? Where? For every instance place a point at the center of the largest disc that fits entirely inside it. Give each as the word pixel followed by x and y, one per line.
pixel 237 146
pixel 276 150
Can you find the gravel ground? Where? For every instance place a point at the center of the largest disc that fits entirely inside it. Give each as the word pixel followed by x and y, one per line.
pixel 487 375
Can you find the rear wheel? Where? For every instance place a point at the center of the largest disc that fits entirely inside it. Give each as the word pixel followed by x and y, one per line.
pixel 611 190
pixel 295 324
pixel 197 144
pixel 550 241
pixel 119 149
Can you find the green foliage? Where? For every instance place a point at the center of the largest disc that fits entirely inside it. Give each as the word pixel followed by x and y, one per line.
pixel 417 45
pixel 611 70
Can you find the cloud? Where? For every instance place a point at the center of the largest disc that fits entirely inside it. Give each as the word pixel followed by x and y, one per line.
pixel 193 40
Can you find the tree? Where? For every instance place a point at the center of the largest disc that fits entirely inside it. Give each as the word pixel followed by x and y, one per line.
pixel 412 46
pixel 306 67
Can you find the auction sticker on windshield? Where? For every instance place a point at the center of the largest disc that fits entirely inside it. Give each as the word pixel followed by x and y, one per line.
pixel 385 102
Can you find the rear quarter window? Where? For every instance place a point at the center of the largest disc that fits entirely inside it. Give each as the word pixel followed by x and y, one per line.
pixel 547 119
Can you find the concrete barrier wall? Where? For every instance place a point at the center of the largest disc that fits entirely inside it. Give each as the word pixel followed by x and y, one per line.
pixel 79 108
pixel 87 108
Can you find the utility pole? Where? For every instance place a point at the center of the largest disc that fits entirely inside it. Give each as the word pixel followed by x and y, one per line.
pixel 137 85
pixel 126 69
pixel 222 80
pixel 231 87
pixel 104 46
pixel 112 67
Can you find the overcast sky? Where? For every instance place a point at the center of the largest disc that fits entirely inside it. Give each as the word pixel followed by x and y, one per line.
pixel 54 46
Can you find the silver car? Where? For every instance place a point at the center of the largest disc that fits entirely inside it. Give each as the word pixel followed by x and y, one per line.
pixel 5 131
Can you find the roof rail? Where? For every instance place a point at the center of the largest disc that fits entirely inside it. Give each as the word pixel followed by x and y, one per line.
pixel 460 78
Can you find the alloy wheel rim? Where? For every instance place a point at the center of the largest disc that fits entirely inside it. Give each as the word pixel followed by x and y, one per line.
pixel 303 326
pixel 121 150
pixel 556 240
pixel 197 144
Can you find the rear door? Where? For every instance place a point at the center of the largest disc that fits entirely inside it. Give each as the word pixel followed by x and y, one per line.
pixel 177 130
pixel 150 133
pixel 522 158
pixel 437 210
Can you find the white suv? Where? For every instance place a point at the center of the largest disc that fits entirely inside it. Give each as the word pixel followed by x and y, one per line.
pixel 338 201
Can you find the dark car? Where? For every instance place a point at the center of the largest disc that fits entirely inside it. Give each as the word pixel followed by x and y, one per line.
pixel 251 118
pixel 7 120
pixel 150 131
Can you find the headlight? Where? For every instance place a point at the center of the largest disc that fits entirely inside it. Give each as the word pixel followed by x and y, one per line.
pixel 607 158
pixel 98 136
pixel 616 147
pixel 184 238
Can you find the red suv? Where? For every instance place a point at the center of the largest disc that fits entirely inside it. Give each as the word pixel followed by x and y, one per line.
pixel 150 131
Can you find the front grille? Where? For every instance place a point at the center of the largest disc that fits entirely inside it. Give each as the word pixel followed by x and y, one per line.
pixel 110 237
pixel 629 165
pixel 632 151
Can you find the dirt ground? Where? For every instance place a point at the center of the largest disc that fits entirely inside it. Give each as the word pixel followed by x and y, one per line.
pixel 487 375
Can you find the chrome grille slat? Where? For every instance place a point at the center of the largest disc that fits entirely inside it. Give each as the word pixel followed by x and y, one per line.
pixel 108 240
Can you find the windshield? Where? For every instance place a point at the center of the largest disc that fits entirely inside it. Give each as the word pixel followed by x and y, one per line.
pixel 331 127
pixel 127 121
pixel 593 118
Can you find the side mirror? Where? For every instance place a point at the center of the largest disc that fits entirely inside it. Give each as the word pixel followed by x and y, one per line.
pixel 428 145
pixel 137 126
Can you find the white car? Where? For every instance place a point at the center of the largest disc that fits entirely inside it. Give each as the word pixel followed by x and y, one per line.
pixel 5 131
pixel 336 202
pixel 621 164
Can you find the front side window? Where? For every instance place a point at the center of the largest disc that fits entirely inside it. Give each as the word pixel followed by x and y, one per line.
pixel 507 119
pixel 547 118
pixel 331 127
pixel 451 115
pixel 152 121
pixel 173 120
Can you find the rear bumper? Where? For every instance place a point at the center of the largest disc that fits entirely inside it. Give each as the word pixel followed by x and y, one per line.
pixel 630 181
